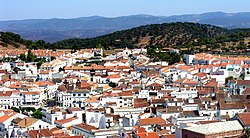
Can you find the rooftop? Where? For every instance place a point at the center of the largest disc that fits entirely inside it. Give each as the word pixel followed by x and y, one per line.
pixel 215 128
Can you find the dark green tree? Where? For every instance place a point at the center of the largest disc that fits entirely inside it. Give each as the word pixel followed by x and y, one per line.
pixel 228 78
pixel 30 57
pixel 151 52
pixel 16 69
pixel 37 114
pixel 22 57
pixel 112 84
pixel 52 58
pixel 61 69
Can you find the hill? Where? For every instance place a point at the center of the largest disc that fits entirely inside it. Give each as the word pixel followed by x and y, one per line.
pixel 172 34
pixel 9 40
pixel 185 36
pixel 52 30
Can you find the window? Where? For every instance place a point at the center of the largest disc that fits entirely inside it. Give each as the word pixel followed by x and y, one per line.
pixel 79 94
pixel 74 94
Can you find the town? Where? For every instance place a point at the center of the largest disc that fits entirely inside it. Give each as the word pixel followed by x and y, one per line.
pixel 93 93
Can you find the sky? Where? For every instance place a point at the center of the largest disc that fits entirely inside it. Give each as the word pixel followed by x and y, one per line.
pixel 44 9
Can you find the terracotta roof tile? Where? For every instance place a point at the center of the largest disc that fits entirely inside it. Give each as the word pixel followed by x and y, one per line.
pixel 86 127
pixel 64 121
pixel 151 121
pixel 40 133
pixel 245 118
pixel 27 121
pixel 235 105
pixel 92 100
pixel 7 116
pixel 114 76
pixel 85 85
pixel 5 94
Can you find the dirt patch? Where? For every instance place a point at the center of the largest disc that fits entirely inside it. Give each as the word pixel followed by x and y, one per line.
pixel 8 47
pixel 144 41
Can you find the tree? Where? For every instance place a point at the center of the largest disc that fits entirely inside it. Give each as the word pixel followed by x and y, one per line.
pixel 38 65
pixel 112 84
pixel 22 57
pixel 30 57
pixel 228 78
pixel 37 114
pixel 16 69
pixel 52 58
pixel 151 52
pixel 16 109
pixel 40 44
pixel 61 69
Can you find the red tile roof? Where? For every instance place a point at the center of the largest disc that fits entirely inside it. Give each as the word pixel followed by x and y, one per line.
pixel 201 75
pixel 235 105
pixel 123 67
pixel 169 136
pixel 155 85
pixel 209 121
pixel 5 94
pixel 7 116
pixel 86 127
pixel 40 133
pixel 157 101
pixel 140 129
pixel 64 121
pixel 134 82
pixel 85 85
pixel 14 86
pixel 151 121
pixel 212 83
pixel 92 100
pixel 245 118
pixel 246 91
pixel 147 135
pixel 243 82
pixel 140 102
pixel 114 76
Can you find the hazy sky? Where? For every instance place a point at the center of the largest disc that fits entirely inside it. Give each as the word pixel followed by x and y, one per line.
pixel 35 9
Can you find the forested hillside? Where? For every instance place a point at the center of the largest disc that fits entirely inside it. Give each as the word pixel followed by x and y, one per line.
pixel 176 35
pixel 190 36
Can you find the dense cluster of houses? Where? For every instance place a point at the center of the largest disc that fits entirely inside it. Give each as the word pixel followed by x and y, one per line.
pixel 89 94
